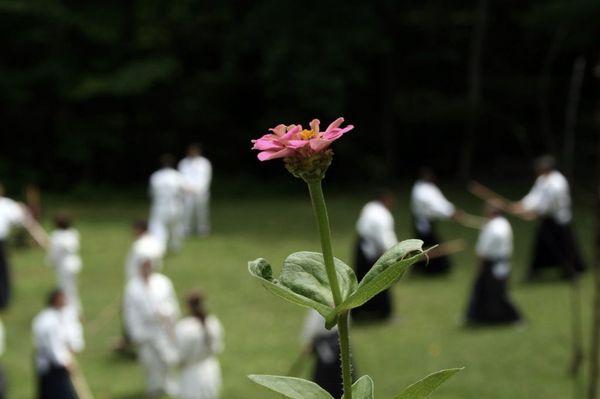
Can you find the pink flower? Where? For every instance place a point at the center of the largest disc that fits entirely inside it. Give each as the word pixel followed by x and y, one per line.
pixel 290 141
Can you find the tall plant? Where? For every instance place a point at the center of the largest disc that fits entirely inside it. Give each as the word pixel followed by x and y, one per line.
pixel 321 281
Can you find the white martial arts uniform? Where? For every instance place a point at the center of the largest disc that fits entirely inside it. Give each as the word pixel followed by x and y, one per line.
pixel 550 197
pixel 167 189
pixel 56 337
pixel 63 256
pixel 427 204
pixel 151 310
pixel 495 244
pixel 11 214
pixel 146 247
pixel 198 345
pixel 197 172
pixel 375 227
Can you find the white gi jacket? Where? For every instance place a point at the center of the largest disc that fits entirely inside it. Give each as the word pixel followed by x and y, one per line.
pixel 198 344
pixel 550 196
pixel 375 226
pixel 63 256
pixel 145 247
pixel 428 203
pixel 55 338
pixel 495 243
pixel 151 311
pixel 197 172
pixel 167 188
pixel 11 214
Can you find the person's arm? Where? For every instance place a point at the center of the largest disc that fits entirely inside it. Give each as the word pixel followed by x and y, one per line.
pixel 215 330
pixel 58 352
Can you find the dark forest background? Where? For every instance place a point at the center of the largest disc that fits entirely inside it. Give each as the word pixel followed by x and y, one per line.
pixel 91 92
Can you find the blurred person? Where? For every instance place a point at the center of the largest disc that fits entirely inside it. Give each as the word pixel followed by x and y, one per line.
pixel 199 341
pixel 11 214
pixel 323 344
pixel 151 311
pixel 428 205
pixel 167 189
pixel 549 200
pixel 145 246
pixel 56 338
pixel 197 172
pixel 490 303
pixel 376 234
pixel 63 256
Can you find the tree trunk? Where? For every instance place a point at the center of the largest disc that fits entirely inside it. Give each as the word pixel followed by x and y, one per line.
pixel 595 335
pixel 571 115
pixel 474 89
pixel 544 88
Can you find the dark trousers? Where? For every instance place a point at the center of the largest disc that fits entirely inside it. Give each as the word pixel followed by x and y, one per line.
pixel 5 288
pixel 55 383
pixel 380 306
pixel 489 302
pixel 556 246
pixel 434 267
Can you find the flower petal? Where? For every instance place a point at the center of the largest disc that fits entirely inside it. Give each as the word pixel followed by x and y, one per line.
pixel 296 144
pixel 268 155
pixel 335 124
pixel 314 125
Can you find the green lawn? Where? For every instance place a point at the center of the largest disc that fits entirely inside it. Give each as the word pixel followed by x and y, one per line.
pixel 262 330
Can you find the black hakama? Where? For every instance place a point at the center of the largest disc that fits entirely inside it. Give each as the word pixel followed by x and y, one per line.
pixel 555 246
pixel 5 287
pixel 489 302
pixel 328 367
pixel 55 383
pixel 380 306
pixel 437 266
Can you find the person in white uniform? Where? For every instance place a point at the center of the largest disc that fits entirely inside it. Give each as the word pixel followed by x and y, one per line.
pixel 550 201
pixel 151 311
pixel 197 172
pixel 376 234
pixel 55 342
pixel 428 206
pixel 324 345
pixel 199 341
pixel 146 246
pixel 11 214
pixel 63 256
pixel 490 303
pixel 167 189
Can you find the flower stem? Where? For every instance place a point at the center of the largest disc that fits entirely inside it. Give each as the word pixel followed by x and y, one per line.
pixel 318 202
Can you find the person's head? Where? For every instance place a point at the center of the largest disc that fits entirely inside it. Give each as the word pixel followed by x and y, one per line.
pixel 544 165
pixel 56 299
pixel 194 150
pixel 195 302
pixel 427 174
pixel 146 269
pixel 387 197
pixel 167 161
pixel 140 227
pixel 63 220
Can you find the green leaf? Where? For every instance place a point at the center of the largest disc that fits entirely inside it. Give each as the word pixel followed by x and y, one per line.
pixel 291 387
pixel 423 388
pixel 363 388
pixel 388 269
pixel 303 281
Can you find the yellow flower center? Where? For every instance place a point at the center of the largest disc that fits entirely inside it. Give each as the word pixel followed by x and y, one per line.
pixel 307 134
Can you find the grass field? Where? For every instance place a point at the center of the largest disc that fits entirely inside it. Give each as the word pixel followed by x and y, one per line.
pixel 262 330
